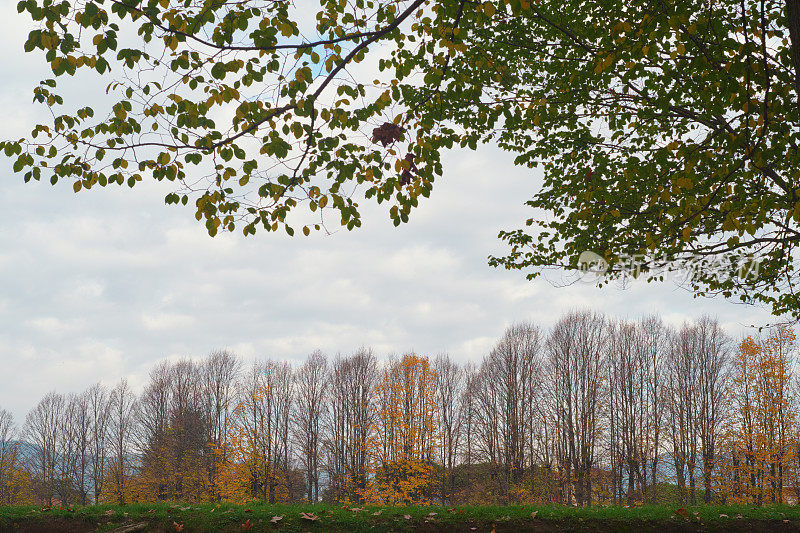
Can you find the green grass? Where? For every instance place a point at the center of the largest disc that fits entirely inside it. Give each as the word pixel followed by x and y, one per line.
pixel 226 517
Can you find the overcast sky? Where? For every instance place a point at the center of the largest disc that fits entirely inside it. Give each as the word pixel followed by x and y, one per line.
pixel 102 284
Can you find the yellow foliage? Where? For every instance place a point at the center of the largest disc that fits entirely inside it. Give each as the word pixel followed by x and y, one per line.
pixel 757 442
pixel 405 444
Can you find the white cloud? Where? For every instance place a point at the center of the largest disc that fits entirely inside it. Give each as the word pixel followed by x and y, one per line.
pixel 166 321
pixel 39 366
pixel 472 349
pixel 55 326
pixel 87 290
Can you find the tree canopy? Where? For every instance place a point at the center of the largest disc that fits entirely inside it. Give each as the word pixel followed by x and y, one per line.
pixel 666 129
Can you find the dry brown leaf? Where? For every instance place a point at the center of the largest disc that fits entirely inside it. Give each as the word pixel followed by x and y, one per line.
pixel 275 519
pixel 177 526
pixel 533 514
pixel 387 133
pixel 247 525
pixel 309 516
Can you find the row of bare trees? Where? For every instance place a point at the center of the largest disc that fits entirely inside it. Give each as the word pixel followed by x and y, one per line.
pixel 72 442
pixel 592 410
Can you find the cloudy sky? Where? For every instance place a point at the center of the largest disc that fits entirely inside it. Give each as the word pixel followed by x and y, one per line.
pixel 102 284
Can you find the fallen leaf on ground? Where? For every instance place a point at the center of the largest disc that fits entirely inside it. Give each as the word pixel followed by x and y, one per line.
pixel 178 527
pixel 723 516
pixel 407 516
pixel 309 516
pixel 682 512
pixel 357 509
pixel 275 519
pixel 533 514
pixel 432 514
pixel 110 512
pixel 377 513
pixel 247 525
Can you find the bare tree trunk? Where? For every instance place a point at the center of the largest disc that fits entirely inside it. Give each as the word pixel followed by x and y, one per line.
pixel 793 22
pixel 312 384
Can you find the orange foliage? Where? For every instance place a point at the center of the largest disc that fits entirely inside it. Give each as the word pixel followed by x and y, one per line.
pixel 758 435
pixel 406 439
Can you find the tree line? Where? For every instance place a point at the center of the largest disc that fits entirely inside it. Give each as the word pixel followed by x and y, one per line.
pixel 593 410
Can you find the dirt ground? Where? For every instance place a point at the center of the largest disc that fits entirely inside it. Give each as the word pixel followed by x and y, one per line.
pixel 59 524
